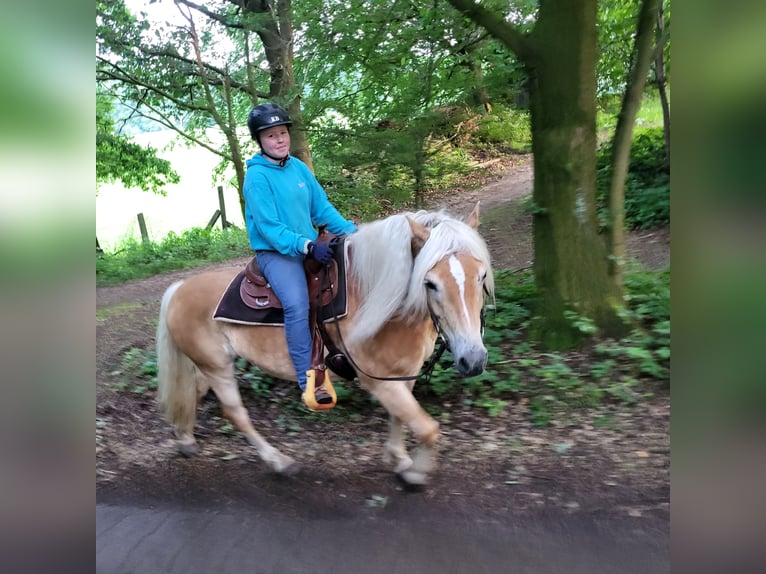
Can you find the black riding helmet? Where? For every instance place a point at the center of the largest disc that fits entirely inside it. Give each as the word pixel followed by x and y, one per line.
pixel 265 116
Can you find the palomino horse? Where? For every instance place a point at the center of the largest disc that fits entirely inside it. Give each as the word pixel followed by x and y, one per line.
pixel 410 276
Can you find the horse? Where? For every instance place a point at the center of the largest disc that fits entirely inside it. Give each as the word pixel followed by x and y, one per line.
pixel 411 277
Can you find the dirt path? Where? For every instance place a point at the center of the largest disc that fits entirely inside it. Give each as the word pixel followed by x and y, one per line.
pixel 492 468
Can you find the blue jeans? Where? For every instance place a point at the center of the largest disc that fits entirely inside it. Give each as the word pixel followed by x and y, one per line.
pixel 288 280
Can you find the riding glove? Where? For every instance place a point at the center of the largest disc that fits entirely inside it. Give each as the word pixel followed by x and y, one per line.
pixel 322 252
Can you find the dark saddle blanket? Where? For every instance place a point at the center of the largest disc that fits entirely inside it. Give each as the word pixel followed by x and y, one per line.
pixel 249 299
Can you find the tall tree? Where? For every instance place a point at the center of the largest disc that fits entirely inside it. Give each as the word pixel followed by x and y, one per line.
pixel 571 264
pixel 660 72
pixel 272 21
pixel 204 71
pixel 623 135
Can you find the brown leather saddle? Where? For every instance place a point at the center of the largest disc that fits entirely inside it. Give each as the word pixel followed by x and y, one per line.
pixel 250 300
pixel 256 291
pixel 322 281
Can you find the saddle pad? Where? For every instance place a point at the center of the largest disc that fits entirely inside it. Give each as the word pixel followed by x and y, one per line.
pixel 231 309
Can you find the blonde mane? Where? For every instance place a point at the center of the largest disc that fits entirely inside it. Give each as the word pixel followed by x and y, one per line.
pixel 390 280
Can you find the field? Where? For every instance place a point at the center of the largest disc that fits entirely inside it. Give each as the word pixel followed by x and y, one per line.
pixel 190 203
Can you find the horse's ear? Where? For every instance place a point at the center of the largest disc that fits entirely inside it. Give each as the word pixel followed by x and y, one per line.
pixel 420 235
pixel 472 219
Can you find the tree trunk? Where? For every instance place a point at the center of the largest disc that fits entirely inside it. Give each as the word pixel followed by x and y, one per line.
pixel 479 95
pixel 661 80
pixel 299 141
pixel 571 270
pixel 570 264
pixel 275 29
pixel 623 135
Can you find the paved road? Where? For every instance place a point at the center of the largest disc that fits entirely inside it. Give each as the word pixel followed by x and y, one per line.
pixel 252 541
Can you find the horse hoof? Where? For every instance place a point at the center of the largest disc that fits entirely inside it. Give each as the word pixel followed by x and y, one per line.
pixel 189 450
pixel 413 479
pixel 291 470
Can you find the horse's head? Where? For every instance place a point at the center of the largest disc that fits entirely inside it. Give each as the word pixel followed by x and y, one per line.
pixel 456 274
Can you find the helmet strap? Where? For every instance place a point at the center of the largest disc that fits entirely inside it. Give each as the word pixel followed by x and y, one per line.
pixel 282 160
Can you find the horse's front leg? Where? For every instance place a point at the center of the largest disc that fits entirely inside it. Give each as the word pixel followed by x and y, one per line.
pixel 395 452
pixel 396 397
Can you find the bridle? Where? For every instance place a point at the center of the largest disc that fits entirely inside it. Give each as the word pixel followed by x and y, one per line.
pixel 428 367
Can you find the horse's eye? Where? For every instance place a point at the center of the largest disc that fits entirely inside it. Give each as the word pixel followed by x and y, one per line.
pixel 430 285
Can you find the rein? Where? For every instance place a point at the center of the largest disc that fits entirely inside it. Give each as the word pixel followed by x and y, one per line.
pixel 427 368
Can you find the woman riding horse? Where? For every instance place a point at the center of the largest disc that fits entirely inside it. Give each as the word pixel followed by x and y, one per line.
pixel 410 278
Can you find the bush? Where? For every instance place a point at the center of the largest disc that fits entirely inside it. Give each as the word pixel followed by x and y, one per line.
pixel 647 187
pixel 506 129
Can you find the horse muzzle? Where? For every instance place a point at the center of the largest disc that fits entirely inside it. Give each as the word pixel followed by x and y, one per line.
pixel 471 362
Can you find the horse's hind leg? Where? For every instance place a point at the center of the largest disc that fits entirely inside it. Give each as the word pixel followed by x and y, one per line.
pixel 184 429
pixel 225 387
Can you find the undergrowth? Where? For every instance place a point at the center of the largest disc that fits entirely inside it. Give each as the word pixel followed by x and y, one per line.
pixel 551 384
pixel 647 187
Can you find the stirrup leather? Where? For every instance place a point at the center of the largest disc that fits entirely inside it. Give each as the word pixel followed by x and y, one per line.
pixel 309 395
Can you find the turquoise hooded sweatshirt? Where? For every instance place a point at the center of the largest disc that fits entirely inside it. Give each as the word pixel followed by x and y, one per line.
pixel 282 205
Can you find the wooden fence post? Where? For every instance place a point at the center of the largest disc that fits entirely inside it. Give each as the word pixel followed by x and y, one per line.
pixel 222 207
pixel 142 227
pixel 213 219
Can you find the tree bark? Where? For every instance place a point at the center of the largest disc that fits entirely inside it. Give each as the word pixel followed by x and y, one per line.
pixel 570 264
pixel 571 268
pixel 623 135
pixel 661 79
pixel 275 29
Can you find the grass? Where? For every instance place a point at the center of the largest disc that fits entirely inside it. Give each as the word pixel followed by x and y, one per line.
pixel 107 312
pixel 649 114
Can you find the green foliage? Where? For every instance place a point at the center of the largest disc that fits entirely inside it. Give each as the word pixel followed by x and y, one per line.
pixel 616 28
pixel 118 158
pixel 505 130
pixel 647 348
pixel 259 382
pixel 134 259
pixel 137 372
pixel 553 383
pixel 585 325
pixel 647 187
pixel 376 170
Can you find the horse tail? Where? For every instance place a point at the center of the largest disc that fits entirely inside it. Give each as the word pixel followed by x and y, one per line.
pixel 176 376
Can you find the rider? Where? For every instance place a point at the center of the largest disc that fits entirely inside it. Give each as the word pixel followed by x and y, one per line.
pixel 283 203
